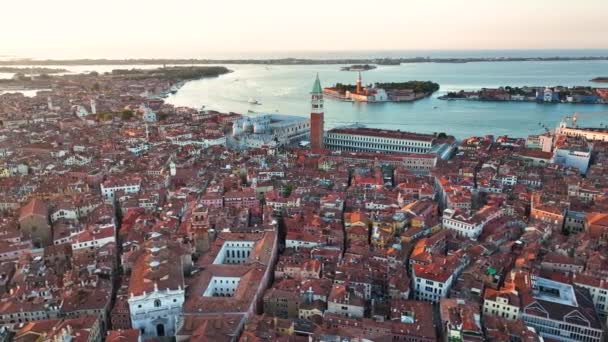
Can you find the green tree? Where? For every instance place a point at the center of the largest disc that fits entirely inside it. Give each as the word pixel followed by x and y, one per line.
pixel 288 189
pixel 126 114
pixel 105 116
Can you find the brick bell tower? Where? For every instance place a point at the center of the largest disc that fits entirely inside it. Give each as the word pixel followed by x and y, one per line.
pixel 316 115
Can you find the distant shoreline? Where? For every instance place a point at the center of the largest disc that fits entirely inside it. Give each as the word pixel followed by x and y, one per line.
pixel 178 75
pixel 11 69
pixel 545 95
pixel 293 61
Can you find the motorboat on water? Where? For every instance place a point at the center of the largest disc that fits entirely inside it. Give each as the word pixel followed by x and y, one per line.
pixel 254 101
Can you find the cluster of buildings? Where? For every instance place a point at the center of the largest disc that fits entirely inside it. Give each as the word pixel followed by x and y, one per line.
pixel 269 130
pixel 558 94
pixel 373 93
pixel 366 234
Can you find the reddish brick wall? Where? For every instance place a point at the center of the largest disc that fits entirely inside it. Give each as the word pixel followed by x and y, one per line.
pixel 316 130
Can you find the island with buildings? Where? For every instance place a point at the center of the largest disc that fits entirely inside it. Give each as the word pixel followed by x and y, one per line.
pixel 600 80
pixel 176 77
pixel 381 92
pixel 176 224
pixel 179 73
pixel 359 67
pixel 558 94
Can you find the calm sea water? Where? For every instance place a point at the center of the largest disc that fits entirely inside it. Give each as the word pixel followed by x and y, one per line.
pixel 285 89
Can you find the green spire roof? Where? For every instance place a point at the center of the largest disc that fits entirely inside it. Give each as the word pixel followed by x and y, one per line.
pixel 316 88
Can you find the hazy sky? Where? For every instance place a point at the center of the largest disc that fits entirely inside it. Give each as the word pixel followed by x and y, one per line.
pixel 201 28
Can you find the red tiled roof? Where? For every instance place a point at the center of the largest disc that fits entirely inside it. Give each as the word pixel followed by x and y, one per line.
pixel 34 207
pixel 375 132
pixel 131 335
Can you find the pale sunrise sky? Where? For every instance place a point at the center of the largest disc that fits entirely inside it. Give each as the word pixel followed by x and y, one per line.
pixel 203 28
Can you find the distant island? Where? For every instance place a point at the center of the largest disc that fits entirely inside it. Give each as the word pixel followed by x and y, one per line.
pixel 600 80
pixel 176 77
pixel 35 70
pixel 172 73
pixel 382 92
pixel 558 94
pixel 359 67
pixel 291 61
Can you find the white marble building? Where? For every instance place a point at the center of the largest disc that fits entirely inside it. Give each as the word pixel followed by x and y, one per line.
pixel 156 288
pixel 155 313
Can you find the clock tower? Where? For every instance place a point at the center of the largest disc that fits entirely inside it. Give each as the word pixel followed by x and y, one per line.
pixel 316 115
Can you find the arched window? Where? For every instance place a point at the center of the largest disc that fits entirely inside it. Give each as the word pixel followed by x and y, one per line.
pixel 157 303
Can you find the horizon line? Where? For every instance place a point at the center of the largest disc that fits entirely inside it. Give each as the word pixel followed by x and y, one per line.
pixel 12 56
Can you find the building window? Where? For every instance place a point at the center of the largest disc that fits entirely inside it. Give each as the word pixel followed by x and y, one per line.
pixel 157 303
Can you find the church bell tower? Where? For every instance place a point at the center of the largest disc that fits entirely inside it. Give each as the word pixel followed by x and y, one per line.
pixel 316 115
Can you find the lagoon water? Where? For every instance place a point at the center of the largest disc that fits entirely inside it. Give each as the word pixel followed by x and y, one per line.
pixel 285 89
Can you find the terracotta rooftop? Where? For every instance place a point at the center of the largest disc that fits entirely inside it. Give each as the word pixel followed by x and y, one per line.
pixel 159 265
pixel 383 133
pixel 130 335
pixel 35 207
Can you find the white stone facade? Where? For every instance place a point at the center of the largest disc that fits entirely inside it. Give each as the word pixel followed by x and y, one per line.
pixel 234 252
pixel 500 307
pixel 431 290
pixel 156 313
pixel 222 286
pixel 129 188
pixel 362 142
